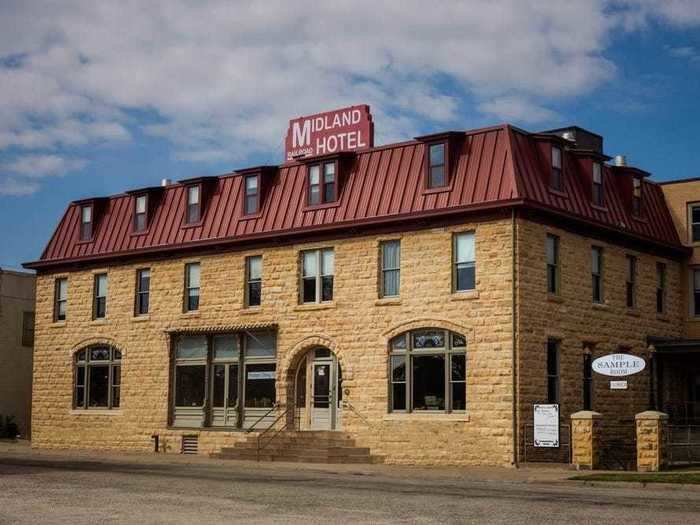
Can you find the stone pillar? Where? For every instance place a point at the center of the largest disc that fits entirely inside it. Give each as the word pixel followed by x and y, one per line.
pixel 585 439
pixel 651 440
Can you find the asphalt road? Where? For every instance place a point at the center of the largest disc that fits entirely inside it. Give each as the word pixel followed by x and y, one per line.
pixel 83 491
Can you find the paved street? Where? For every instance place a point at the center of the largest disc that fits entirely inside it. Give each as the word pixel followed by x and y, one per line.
pixel 87 489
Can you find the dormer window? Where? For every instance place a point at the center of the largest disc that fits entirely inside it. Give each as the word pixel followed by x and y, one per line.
pixel 86 217
pixel 598 195
pixel 252 194
pixel 140 213
pixel 194 204
pixel 636 196
pixel 322 183
pixel 437 167
pixel 555 181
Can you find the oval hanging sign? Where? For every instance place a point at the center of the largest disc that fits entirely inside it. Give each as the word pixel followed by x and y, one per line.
pixel 618 365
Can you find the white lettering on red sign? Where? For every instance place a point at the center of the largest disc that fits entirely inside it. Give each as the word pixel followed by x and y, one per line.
pixel 345 129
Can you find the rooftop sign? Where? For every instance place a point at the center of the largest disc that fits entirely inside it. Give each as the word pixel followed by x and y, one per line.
pixel 345 129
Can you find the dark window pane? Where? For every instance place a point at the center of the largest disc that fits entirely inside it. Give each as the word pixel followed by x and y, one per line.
pixel 219 380
pixel 696 232
pixel 315 194
pixel 429 382
pixel 696 302
pixel 254 293
pixel 552 358
pixel 398 368
pixel 329 192
pixel 140 222
pixel 630 295
pixel 251 204
pixel 552 390
pixel 399 342
pixel 260 386
pixel 398 396
pixel 551 279
pixel 100 307
pixel 117 355
pixel 466 277
pixel 193 299
pixel 429 339
pixel 459 368
pixel 193 213
pixel 437 155
pixel 660 301
pixel 597 295
pixel 232 386
pixel 189 386
pixel 327 288
pixel 98 395
pixel 391 283
pixel 143 303
pixel 555 179
pixel 81 355
pixel 309 290
pixel 458 341
pixel 459 396
pixel 115 397
pixel 437 176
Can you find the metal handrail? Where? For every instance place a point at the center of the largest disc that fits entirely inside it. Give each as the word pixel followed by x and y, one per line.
pixel 348 404
pixel 274 407
pixel 260 444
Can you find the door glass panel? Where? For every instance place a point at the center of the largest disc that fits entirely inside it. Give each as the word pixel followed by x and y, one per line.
pixel 322 375
pixel 219 385
pixel 99 386
pixel 429 382
pixel 260 386
pixel 232 386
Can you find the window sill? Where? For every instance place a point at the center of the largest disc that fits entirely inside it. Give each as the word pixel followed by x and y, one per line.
pixel 250 216
pixel 633 312
pixel 441 417
pixel 250 310
pixel 600 306
pixel 467 295
pixel 94 412
pixel 141 318
pixel 322 206
pixel 190 315
pixel 102 320
pixel 441 189
pixel 139 234
pixel 388 301
pixel 61 324
pixel 314 306
pixel 597 207
pixel 193 224
pixel 555 298
pixel 663 318
pixel 558 193
pixel 693 320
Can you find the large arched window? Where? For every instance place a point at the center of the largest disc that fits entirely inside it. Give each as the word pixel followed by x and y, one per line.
pixel 428 371
pixel 97 377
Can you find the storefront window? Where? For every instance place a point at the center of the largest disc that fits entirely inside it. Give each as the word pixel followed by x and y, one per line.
pixel 438 370
pixel 260 385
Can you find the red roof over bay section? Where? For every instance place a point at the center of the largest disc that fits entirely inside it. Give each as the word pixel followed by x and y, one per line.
pixel 492 167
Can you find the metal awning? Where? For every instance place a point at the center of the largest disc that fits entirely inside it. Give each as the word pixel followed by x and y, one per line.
pixel 237 327
pixel 667 345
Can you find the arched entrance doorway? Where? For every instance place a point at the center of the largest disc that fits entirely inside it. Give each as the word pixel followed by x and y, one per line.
pixel 318 391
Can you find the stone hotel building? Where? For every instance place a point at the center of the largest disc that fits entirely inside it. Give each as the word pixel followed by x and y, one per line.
pixel 409 302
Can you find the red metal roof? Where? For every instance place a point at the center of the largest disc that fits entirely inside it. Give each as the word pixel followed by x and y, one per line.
pixel 492 166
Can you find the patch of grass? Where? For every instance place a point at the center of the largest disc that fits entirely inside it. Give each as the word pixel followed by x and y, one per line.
pixel 690 478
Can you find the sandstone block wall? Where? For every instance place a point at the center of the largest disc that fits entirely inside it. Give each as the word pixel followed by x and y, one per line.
pixel 356 326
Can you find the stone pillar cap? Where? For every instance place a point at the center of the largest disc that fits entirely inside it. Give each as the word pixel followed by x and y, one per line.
pixel 651 414
pixel 586 414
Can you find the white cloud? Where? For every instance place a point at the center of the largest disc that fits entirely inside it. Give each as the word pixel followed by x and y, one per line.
pixel 22 175
pixel 222 79
pixel 17 187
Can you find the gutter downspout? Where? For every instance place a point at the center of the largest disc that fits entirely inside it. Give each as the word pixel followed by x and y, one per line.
pixel 516 393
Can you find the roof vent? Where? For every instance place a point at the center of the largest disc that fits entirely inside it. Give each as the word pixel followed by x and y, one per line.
pixel 569 135
pixel 165 182
pixel 620 160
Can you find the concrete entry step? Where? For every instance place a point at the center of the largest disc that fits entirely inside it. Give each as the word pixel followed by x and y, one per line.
pixel 295 446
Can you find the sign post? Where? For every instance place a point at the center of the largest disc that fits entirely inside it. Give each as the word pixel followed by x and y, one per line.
pixel 345 129
pixel 546 427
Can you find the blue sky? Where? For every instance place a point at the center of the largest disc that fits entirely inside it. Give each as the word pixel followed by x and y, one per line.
pixel 98 99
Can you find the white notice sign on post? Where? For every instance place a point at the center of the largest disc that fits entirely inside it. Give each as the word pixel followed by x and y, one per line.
pixel 546 428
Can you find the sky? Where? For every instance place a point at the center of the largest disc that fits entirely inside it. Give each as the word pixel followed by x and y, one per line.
pixel 97 98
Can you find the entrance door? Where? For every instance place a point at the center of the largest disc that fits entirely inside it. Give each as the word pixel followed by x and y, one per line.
pixel 325 392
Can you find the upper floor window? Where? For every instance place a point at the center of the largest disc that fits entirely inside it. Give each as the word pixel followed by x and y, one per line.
pixel 464 262
pixel 140 213
pixel 99 308
pixel 97 377
pixel 636 196
pixel 390 278
pixel 552 371
pixel 660 288
pixel 437 166
pixel 191 287
pixel 86 217
pixel 60 302
pixel 253 280
pixel 695 298
pixel 597 273
pixel 143 291
pixel 631 282
pixel 322 183
pixel 252 194
pixel 552 264
pixel 317 271
pixel 598 195
pixel 428 371
pixel 28 329
pixel 695 223
pixel 555 179
pixel 194 204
